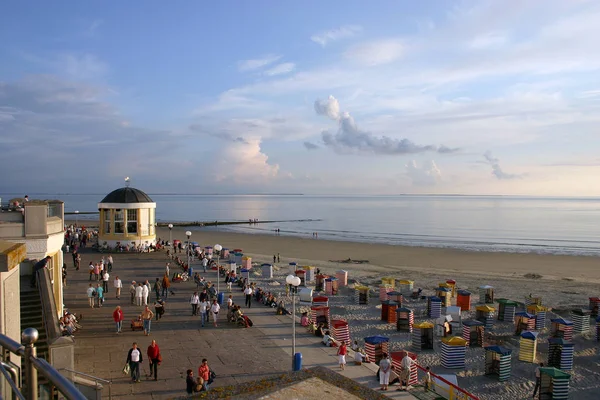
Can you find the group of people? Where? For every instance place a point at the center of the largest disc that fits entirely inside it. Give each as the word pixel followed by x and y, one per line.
pixel 135 358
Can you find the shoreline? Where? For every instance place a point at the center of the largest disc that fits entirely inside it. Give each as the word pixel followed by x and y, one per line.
pixel 393 259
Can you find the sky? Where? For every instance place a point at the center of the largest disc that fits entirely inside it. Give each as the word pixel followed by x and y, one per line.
pixel 336 97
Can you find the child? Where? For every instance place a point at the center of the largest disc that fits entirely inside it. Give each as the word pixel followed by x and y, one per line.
pixel 427 380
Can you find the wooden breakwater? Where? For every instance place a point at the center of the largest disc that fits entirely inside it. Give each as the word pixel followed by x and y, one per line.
pixel 219 223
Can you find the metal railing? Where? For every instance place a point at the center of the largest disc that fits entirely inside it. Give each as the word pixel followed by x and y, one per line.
pixel 33 365
pixel 94 378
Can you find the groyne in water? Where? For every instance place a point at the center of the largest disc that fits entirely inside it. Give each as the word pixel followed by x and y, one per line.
pixel 219 223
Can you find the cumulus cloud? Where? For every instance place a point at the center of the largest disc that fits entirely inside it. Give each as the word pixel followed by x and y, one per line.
pixel 426 175
pixel 257 63
pixel 329 108
pixel 310 146
pixel 377 52
pixel 350 139
pixel 280 69
pixel 332 35
pixel 245 163
pixel 496 169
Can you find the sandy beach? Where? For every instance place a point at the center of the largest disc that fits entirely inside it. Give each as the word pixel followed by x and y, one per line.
pixel 390 259
pixel 563 282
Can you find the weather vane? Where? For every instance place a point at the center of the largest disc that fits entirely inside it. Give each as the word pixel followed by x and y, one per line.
pixel 127 181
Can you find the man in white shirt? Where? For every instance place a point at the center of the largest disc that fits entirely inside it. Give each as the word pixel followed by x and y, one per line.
pixel 204 263
pixel 105 277
pixel 134 358
pixel 194 301
pixel 248 292
pixel 167 269
pixel 110 263
pixel 214 309
pixel 204 306
pixel 406 365
pixel 139 293
pixel 145 294
pixel 118 286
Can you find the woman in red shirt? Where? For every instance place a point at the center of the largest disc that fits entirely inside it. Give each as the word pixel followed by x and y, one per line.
pixel 204 373
pixel 342 350
pixel 118 318
pixel 155 358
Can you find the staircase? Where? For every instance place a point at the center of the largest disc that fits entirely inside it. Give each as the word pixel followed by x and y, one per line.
pixel 32 317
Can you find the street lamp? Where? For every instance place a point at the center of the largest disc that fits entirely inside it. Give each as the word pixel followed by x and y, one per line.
pixel 170 240
pixel 217 249
pixel 293 281
pixel 76 217
pixel 188 234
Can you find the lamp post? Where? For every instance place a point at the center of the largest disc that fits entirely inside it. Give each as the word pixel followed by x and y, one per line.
pixel 293 281
pixel 170 240
pixel 188 234
pixel 76 217
pixel 217 249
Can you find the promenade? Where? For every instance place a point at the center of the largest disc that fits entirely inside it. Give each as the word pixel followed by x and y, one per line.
pixel 235 354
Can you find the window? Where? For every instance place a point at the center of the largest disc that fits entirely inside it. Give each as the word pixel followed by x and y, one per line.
pixel 106 220
pixel 119 222
pixel 132 221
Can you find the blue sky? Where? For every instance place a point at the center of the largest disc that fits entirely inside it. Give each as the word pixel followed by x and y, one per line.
pixel 469 97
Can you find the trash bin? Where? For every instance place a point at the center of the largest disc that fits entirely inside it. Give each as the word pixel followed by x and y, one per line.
pixel 220 298
pixel 297 362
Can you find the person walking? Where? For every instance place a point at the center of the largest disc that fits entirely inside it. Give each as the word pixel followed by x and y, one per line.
pixel 165 286
pixel 91 269
pixel 385 367
pixel 118 285
pixel 204 373
pixel 342 351
pixel 204 308
pixel 248 292
pixel 91 294
pixel 157 288
pixel 118 318
pixel 134 358
pixel 214 309
pixel 132 290
pixel 168 269
pixel 139 293
pixel 99 294
pixel 145 292
pixel 204 263
pixel 538 379
pixel 147 315
pixel 194 301
pixel 154 358
pixel 105 277
pixel 110 263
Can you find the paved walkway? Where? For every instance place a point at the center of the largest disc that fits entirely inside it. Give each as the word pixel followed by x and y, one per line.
pixel 235 354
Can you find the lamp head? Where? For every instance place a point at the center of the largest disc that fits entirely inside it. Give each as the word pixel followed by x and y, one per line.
pixel 170 226
pixel 217 247
pixel 188 233
pixel 289 279
pixel 296 281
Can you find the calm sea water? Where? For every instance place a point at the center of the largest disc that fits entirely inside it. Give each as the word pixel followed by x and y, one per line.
pixel 476 223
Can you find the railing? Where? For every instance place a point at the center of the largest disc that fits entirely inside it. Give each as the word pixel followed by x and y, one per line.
pixel 33 365
pixel 94 378
pixel 452 392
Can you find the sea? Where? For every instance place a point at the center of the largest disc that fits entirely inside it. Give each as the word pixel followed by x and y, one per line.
pixel 518 224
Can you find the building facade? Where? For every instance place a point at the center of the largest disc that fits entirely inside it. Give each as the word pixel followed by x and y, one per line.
pixel 127 216
pixel 39 225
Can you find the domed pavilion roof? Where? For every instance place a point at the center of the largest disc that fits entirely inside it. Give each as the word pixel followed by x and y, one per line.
pixel 127 195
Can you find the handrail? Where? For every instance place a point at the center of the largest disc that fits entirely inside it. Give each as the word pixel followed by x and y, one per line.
pixel 12 345
pixel 62 384
pixel 86 375
pixel 469 395
pixel 12 381
pixel 32 365
pixel 95 378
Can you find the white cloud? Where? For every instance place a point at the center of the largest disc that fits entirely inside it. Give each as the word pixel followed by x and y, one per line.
pixel 377 52
pixel 280 69
pixel 426 175
pixel 332 35
pixel 245 163
pixel 496 169
pixel 251 65
pixel 329 108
